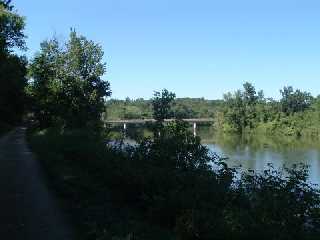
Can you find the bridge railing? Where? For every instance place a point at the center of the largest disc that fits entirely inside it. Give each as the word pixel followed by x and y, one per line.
pixel 191 120
pixel 194 121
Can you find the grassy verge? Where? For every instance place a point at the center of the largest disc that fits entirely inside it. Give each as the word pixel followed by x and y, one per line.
pixel 82 171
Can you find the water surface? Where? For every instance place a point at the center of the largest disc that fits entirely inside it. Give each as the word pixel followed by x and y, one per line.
pixel 256 152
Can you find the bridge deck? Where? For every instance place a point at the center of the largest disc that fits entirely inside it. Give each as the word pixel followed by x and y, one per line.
pixel 191 120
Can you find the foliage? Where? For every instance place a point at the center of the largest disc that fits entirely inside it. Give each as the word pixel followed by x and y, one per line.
pixel 11 28
pixel 13 82
pixel 66 85
pixel 128 109
pixel 296 114
pixel 240 110
pixel 162 103
pixel 172 188
pixel 12 66
pixel 142 109
pixel 169 187
pixel 4 128
pixel 294 101
pixel 275 205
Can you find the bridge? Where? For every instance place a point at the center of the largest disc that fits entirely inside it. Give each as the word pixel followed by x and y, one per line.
pixel 137 121
pixel 193 121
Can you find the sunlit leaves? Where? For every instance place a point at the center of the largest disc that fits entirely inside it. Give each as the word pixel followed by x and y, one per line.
pixel 66 82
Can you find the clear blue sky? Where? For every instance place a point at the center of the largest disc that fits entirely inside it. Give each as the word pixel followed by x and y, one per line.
pixel 199 48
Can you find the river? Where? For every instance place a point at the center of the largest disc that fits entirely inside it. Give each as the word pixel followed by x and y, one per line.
pixel 256 152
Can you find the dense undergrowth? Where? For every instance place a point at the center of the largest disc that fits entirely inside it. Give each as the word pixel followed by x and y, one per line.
pixel 172 188
pixel 4 128
pixel 169 187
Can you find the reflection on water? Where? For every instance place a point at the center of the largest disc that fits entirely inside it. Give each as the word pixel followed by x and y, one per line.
pixel 256 152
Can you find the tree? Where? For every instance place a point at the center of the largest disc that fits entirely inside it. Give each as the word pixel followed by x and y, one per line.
pixel 240 110
pixel 66 83
pixel 12 66
pixel 294 101
pixel 12 96
pixel 249 94
pixel 162 103
pixel 11 28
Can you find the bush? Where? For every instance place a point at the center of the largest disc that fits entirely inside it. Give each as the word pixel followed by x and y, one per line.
pixel 4 127
pixel 172 188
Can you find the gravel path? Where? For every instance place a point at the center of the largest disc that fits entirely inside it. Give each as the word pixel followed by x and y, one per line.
pixel 28 210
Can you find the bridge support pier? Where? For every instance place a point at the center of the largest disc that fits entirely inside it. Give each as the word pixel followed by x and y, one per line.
pixel 124 130
pixel 194 129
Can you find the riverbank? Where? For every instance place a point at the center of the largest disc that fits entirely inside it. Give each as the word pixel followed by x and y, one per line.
pixel 248 152
pixel 81 169
pixel 298 125
pixel 165 190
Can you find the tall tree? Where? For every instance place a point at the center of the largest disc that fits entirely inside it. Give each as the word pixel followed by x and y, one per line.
pixel 67 86
pixel 12 66
pixel 11 28
pixel 162 103
pixel 294 101
pixel 240 110
pixel 249 93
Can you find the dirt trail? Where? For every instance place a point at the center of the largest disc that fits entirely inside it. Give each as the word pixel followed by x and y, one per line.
pixel 28 210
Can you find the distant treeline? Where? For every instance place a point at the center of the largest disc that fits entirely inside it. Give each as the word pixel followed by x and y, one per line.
pixel 297 113
pixel 245 111
pixel 182 108
pixel 166 187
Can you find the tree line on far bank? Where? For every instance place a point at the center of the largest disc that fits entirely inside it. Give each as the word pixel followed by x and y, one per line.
pixel 142 109
pixel 245 111
pixel 62 84
pixel 166 187
pixel 296 114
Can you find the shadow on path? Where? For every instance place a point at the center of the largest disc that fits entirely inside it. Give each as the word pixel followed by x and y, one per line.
pixel 28 210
